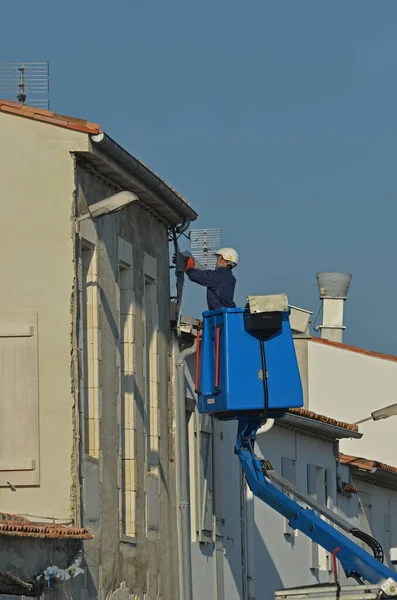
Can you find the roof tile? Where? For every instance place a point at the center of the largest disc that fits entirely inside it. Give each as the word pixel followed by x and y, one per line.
pixel 316 417
pixel 15 525
pixel 348 488
pixel 365 464
pixel 10 103
pixel 32 109
pixel 48 116
pixel 51 120
pixel 82 128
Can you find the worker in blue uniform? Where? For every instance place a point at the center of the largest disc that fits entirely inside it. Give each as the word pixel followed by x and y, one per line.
pixel 220 282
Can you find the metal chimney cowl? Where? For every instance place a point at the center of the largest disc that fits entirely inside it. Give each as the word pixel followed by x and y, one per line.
pixel 333 285
pixel 333 288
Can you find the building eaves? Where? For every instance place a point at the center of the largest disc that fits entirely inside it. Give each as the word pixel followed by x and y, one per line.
pixel 365 464
pixel 164 199
pixel 355 349
pixel 319 425
pixel 371 470
pixel 14 525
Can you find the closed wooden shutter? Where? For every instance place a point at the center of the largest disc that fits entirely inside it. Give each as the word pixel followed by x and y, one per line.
pixel 19 400
pixel 205 478
pixel 288 471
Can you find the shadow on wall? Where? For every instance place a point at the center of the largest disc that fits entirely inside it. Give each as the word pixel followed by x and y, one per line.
pixel 270 579
pixel 260 576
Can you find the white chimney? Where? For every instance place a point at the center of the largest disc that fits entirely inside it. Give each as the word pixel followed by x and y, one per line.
pixel 333 288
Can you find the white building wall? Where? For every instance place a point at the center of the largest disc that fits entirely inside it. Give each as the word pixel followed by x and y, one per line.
pixel 259 554
pixel 348 386
pixel 373 509
pixel 284 558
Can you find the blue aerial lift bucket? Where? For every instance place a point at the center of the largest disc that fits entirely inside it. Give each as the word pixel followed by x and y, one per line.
pixel 247 364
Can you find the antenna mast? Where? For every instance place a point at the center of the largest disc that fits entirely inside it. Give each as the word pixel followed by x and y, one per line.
pixel 203 244
pixel 28 83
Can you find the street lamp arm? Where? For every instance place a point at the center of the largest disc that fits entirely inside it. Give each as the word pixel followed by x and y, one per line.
pixel 109 205
pixel 381 413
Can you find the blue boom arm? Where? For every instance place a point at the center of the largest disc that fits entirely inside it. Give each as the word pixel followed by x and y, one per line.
pixel 354 559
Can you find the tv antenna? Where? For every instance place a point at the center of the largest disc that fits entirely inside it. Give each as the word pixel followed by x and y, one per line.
pixel 203 244
pixel 27 83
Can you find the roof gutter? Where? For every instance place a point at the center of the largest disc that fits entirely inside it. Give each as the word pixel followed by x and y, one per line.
pixel 318 427
pixel 147 176
pixel 376 475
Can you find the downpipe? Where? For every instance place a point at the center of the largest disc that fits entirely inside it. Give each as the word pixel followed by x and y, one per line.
pixel 185 565
pixel 267 425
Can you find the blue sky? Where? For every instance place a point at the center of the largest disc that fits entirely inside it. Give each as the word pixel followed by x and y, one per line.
pixel 275 119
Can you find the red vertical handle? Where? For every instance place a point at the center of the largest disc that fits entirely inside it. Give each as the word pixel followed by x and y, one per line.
pixel 217 356
pixel 334 565
pixel 198 349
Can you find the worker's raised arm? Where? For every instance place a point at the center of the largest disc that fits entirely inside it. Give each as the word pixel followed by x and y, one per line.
pixel 206 278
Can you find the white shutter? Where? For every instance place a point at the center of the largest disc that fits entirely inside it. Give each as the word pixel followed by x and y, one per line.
pixel 19 400
pixel 288 471
pixel 205 478
pixel 316 487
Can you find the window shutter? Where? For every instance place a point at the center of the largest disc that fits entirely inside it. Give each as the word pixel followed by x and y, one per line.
pixel 288 471
pixel 317 488
pixel 364 513
pixel 205 479
pixel 19 400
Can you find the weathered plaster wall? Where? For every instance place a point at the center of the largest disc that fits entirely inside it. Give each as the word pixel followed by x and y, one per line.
pixel 147 565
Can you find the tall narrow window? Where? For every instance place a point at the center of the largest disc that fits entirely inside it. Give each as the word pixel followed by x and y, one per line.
pixel 151 371
pixel 288 471
pixel 364 512
pixel 205 477
pixel 317 489
pixel 90 348
pixel 127 401
pixel 151 403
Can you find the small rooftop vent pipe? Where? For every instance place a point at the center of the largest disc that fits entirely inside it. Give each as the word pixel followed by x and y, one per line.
pixel 333 288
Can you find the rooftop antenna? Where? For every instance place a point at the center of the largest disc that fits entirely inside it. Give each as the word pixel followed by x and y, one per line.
pixel 27 83
pixel 203 244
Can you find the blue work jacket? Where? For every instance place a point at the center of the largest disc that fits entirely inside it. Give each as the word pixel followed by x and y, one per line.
pixel 220 285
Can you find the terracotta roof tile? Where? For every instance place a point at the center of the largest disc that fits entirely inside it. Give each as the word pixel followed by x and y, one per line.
pixel 354 349
pixel 348 488
pixel 365 464
pixel 48 116
pixel 14 525
pixel 316 417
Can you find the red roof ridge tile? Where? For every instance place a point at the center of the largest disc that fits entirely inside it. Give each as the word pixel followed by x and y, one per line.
pixel 366 464
pixel 303 412
pixel 356 349
pixel 48 116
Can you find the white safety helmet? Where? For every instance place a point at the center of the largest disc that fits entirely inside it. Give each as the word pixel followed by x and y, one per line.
pixel 228 254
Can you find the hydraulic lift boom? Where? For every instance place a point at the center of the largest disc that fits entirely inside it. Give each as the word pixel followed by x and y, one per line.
pixel 356 561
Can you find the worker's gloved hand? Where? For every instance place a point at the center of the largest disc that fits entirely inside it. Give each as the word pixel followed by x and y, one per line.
pixel 190 263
